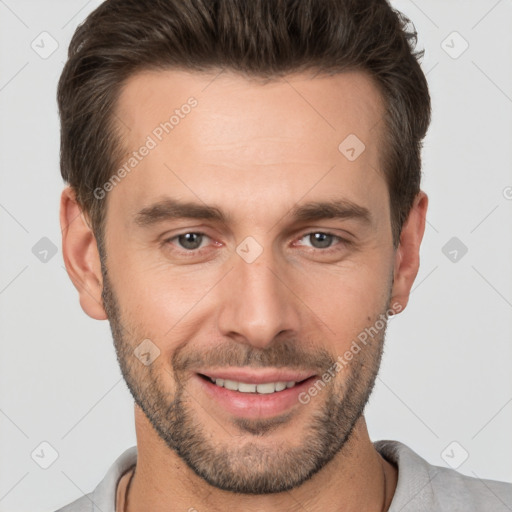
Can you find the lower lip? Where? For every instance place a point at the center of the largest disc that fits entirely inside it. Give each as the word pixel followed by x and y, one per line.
pixel 255 405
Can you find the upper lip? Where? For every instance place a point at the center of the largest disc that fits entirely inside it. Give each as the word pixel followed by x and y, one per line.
pixel 257 376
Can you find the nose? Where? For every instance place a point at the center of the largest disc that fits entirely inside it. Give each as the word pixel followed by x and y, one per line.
pixel 257 302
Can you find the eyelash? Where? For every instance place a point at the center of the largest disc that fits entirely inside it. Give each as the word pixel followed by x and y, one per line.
pixel 328 250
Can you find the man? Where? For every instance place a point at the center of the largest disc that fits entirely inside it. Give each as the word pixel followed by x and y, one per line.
pixel 244 207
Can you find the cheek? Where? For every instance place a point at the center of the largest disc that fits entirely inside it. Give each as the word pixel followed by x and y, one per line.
pixel 347 299
pixel 161 302
pixel 169 303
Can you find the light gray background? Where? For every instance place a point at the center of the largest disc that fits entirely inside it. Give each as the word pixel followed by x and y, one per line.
pixel 446 371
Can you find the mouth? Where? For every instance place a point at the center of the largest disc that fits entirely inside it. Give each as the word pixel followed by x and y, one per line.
pixel 263 388
pixel 255 395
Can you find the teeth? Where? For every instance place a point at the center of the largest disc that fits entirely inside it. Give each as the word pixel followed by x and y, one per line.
pixel 267 388
pixel 231 384
pixel 244 387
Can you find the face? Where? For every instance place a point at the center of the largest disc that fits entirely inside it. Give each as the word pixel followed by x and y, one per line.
pixel 245 253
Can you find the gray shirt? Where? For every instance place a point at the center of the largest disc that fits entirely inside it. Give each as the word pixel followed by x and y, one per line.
pixel 421 486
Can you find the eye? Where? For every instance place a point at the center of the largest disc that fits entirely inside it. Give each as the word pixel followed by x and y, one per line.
pixel 188 241
pixel 320 240
pixel 193 241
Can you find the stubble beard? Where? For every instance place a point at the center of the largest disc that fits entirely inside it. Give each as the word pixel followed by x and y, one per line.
pixel 250 464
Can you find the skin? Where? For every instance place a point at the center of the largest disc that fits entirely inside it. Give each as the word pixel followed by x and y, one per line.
pixel 255 151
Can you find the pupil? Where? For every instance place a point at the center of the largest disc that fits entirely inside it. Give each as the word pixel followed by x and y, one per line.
pixel 190 240
pixel 321 240
pixel 193 240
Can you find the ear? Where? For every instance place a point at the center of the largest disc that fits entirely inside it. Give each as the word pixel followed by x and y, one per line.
pixel 81 255
pixel 407 256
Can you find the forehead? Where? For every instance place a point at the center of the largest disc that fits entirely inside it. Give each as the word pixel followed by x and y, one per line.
pixel 334 103
pixel 215 132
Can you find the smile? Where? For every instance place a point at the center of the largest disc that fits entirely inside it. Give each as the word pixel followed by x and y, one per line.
pixel 254 393
pixel 245 387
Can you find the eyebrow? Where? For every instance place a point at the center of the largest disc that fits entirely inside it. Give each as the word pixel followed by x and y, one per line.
pixel 170 209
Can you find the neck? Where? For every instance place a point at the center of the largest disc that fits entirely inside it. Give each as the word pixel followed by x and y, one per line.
pixel 357 478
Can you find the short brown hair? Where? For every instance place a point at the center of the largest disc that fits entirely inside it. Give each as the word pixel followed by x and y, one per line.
pixel 256 38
